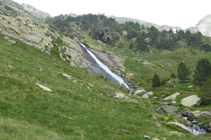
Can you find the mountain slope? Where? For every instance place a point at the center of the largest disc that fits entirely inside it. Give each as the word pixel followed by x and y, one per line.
pixel 204 25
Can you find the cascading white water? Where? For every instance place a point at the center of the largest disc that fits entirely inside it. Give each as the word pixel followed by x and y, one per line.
pixel 106 69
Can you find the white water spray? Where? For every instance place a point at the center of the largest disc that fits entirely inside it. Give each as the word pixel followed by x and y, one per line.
pixel 107 70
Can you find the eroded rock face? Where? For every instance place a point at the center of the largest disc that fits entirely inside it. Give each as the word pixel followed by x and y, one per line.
pixel 27 31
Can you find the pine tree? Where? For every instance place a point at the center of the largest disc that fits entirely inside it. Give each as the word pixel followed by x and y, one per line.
pixel 156 81
pixel 202 72
pixel 183 72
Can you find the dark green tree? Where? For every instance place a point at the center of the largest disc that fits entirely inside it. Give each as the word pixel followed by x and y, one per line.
pixel 173 75
pixel 202 72
pixel 206 92
pixel 183 71
pixel 156 81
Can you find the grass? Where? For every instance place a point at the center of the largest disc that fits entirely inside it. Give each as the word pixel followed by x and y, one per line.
pixel 72 110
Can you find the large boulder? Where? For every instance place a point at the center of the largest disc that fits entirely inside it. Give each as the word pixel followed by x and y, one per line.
pixel 191 101
pixel 168 109
pixel 200 115
pixel 172 97
pixel 119 95
pixel 139 92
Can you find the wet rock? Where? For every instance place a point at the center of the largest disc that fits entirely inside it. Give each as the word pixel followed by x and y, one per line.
pixel 181 126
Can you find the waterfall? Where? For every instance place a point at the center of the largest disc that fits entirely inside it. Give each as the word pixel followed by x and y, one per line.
pixel 105 68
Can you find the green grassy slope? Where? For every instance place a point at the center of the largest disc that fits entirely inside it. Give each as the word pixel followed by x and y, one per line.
pixel 73 110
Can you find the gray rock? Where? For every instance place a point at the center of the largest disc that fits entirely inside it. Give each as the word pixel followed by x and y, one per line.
pixel 181 126
pixel 150 93
pixel 200 115
pixel 44 87
pixel 181 43
pixel 168 109
pixel 193 30
pixel 191 101
pixel 146 137
pixel 190 86
pixel 145 96
pixel 120 96
pixel 12 41
pixel 127 98
pixel 172 97
pixel 139 92
pixel 68 76
pixel 155 139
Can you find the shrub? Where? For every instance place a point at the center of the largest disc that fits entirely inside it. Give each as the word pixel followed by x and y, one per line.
pixel 173 75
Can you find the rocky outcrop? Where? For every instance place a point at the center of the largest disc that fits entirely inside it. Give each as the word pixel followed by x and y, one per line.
pixel 168 109
pixel 191 101
pixel 172 97
pixel 192 30
pixel 27 31
pixel 167 28
pixel 101 34
pixel 204 25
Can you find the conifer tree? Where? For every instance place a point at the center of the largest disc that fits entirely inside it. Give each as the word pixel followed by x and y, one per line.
pixel 156 81
pixel 202 72
pixel 183 72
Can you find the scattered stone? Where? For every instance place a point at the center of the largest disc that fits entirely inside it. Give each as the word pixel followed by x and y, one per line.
pixel 155 97
pixel 172 97
pixel 155 139
pixel 41 69
pixel 127 98
pixel 120 95
pixel 68 76
pixel 168 109
pixel 90 84
pixel 135 101
pixel 181 126
pixel 12 41
pixel 44 87
pixel 173 102
pixel 74 81
pixel 190 86
pixel 176 133
pixel 139 92
pixel 145 96
pixel 146 137
pixel 191 101
pixel 149 93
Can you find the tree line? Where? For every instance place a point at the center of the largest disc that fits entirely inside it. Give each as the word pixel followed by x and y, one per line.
pixel 201 77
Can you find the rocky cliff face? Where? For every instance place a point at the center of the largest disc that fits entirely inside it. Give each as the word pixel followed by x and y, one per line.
pixel 204 25
pixel 167 28
pixel 39 35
